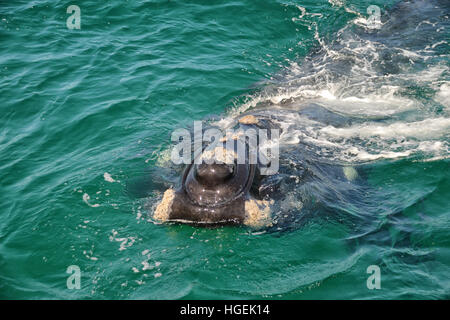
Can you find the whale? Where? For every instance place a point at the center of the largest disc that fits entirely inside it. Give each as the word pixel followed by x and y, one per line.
pixel 226 191
pixel 338 111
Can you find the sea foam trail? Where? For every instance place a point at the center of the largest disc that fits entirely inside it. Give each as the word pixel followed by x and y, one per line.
pixel 370 75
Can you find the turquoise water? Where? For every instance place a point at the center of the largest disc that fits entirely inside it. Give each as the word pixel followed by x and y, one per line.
pixel 86 117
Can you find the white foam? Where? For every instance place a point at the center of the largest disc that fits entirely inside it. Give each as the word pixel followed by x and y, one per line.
pixel 86 199
pixel 125 242
pixel 429 128
pixel 108 177
pixel 443 95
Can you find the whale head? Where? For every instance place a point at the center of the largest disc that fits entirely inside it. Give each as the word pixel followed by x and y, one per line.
pixel 209 194
pixel 221 186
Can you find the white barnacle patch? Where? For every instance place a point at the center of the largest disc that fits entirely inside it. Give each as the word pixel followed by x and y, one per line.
pixel 232 136
pixel 248 119
pixel 350 173
pixel 258 213
pixel 164 208
pixel 219 154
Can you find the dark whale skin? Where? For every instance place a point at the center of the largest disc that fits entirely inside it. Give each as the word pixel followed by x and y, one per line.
pixel 183 210
pixel 229 212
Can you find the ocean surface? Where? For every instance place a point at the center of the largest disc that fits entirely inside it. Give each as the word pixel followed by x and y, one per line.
pixel 86 117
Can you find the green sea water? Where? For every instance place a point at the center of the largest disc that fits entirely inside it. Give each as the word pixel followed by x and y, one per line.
pixel 86 118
